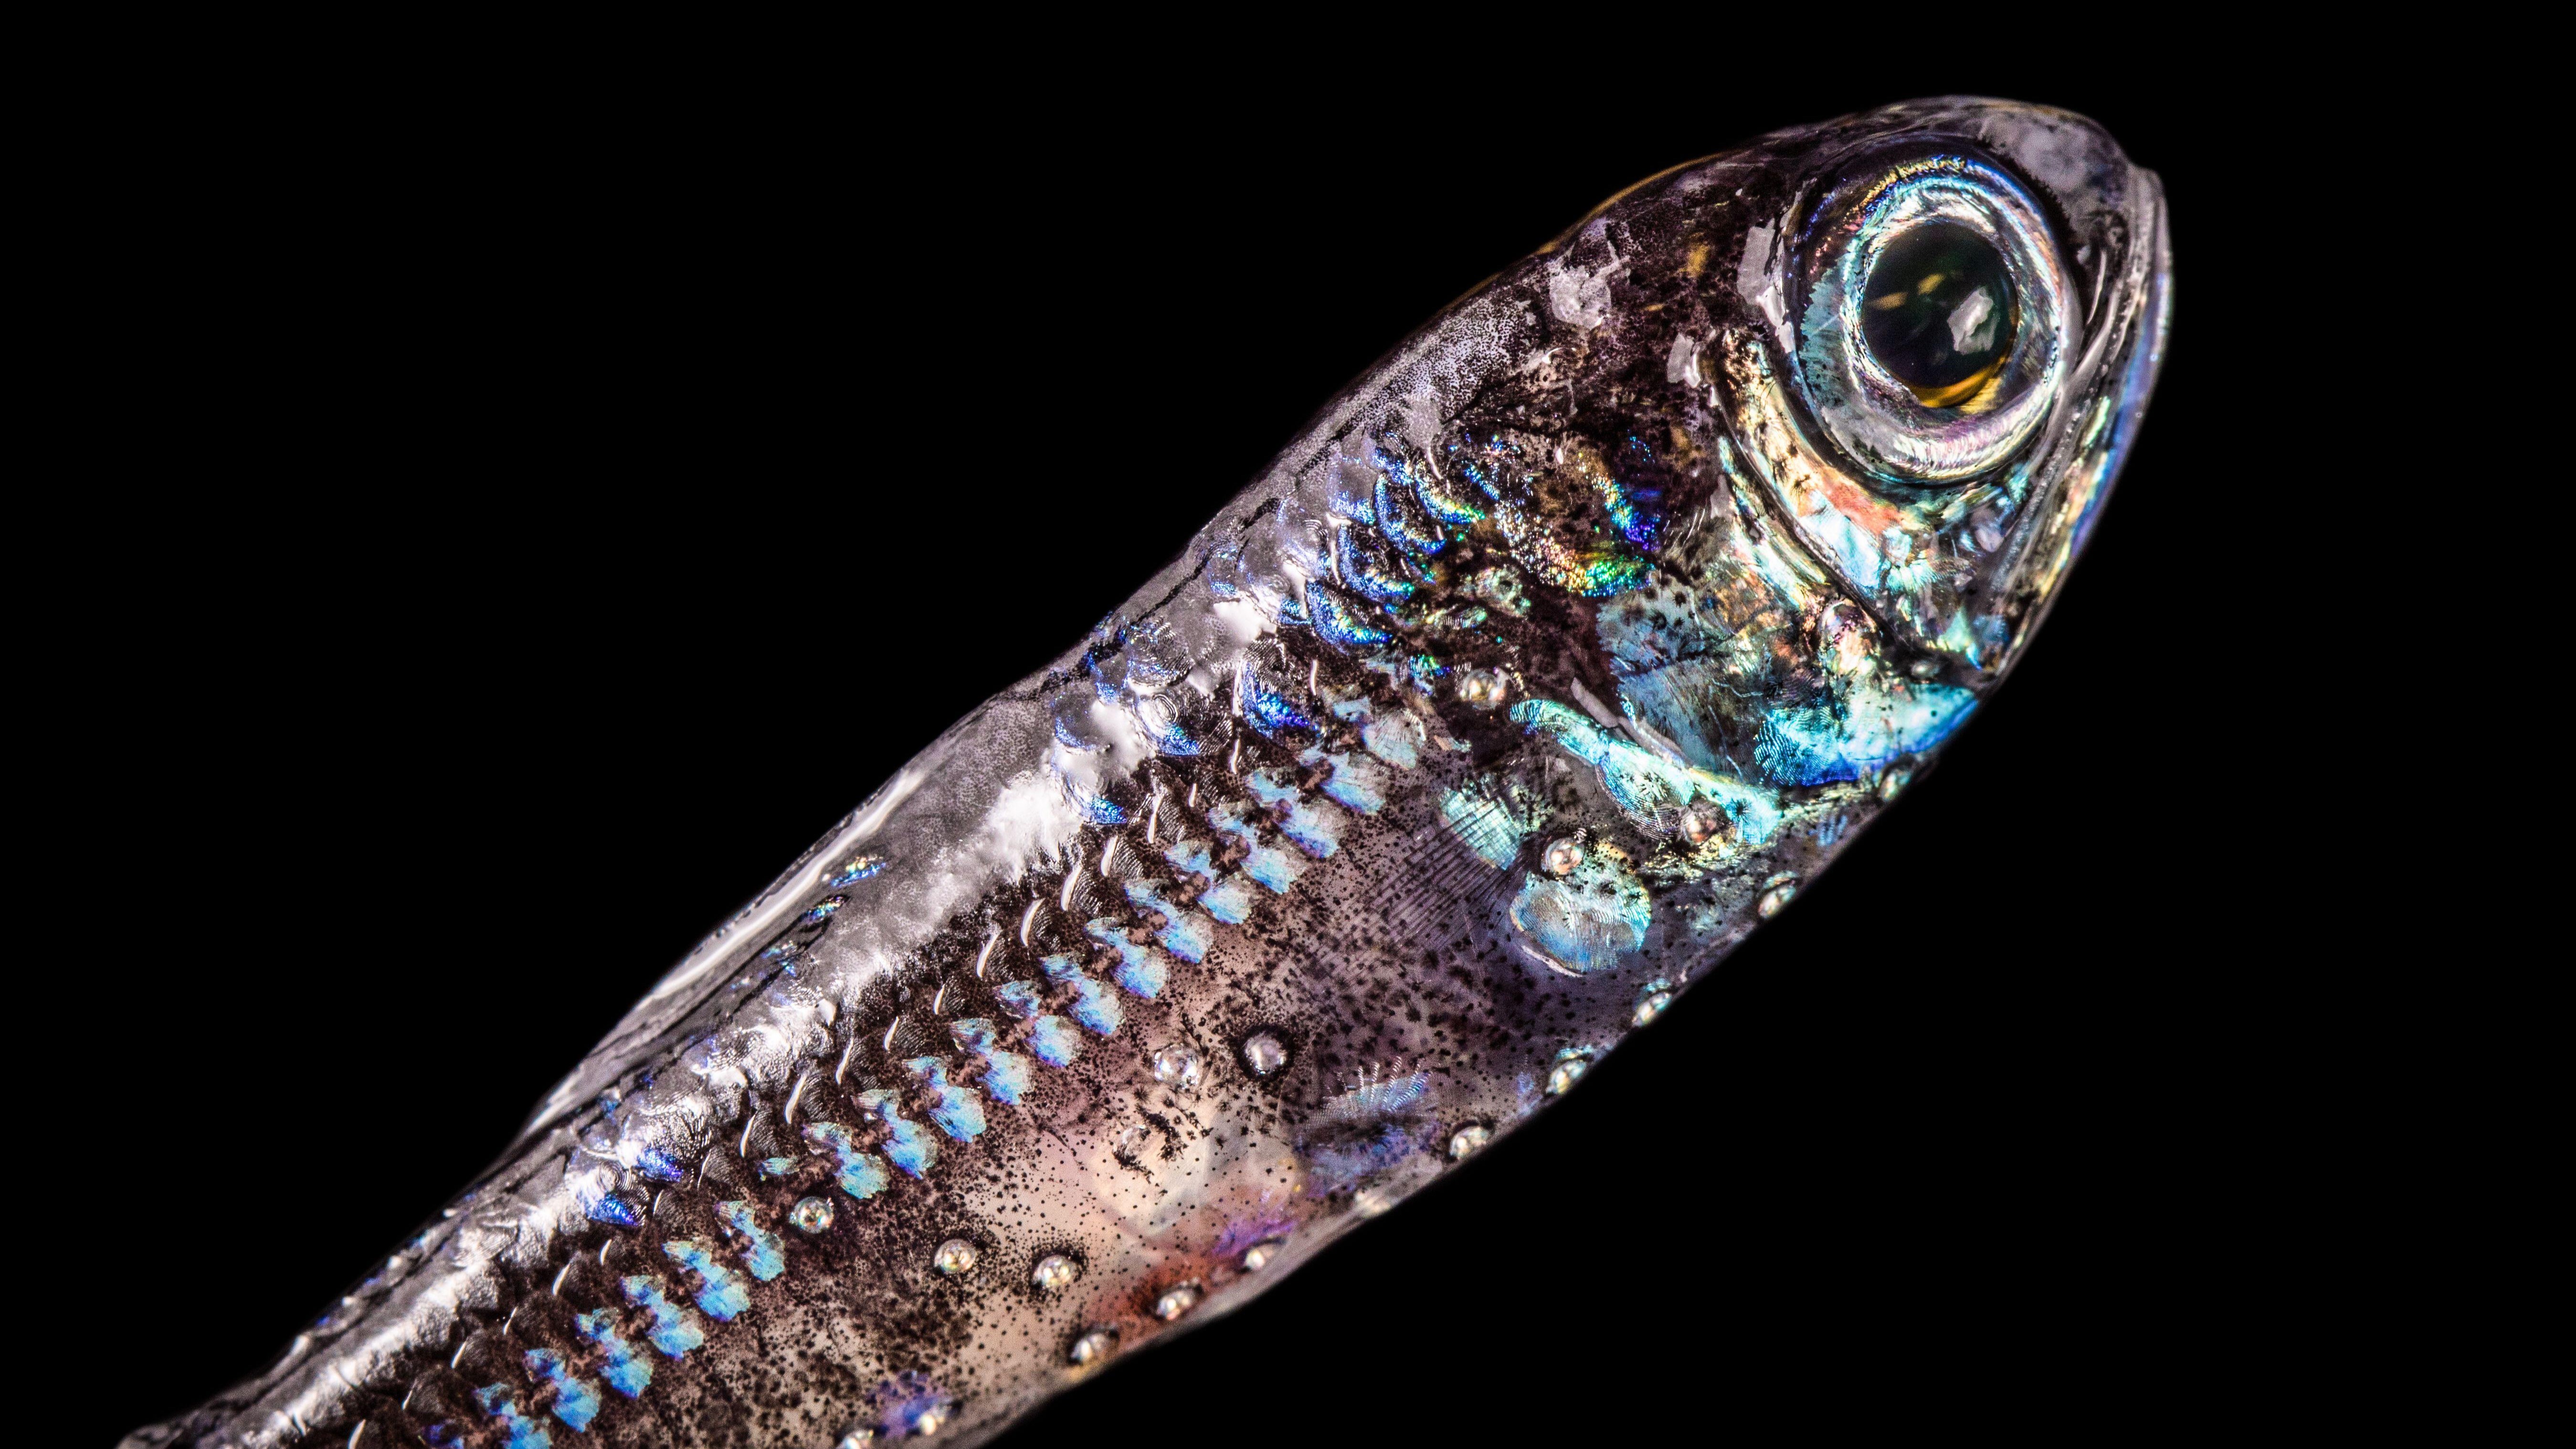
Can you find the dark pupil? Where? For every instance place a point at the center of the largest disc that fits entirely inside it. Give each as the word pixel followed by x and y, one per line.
pixel 1939 313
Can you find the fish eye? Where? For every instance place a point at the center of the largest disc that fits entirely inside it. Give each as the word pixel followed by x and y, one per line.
pixel 1939 314
pixel 1934 330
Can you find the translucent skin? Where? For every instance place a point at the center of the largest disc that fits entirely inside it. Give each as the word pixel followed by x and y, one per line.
pixel 1525 684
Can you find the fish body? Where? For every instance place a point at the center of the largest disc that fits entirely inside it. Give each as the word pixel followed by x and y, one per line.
pixel 1546 665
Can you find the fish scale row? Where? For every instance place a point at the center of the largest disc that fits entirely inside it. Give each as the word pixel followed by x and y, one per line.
pixel 1279 809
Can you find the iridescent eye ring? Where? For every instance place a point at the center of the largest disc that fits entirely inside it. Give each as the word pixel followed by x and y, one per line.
pixel 1892 426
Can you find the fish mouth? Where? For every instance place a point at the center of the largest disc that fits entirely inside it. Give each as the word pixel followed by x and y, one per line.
pixel 2159 299
pixel 2151 324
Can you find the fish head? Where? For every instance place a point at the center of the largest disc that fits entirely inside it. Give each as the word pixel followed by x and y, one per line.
pixel 1875 380
pixel 1938 349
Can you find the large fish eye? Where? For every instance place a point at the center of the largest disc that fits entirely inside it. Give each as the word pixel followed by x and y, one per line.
pixel 1933 331
pixel 1938 314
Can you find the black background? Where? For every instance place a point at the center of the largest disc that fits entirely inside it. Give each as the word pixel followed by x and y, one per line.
pixel 518 516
